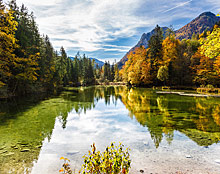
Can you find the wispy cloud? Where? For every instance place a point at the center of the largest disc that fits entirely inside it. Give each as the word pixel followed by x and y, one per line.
pixel 215 4
pixel 92 21
pixel 108 28
pixel 177 6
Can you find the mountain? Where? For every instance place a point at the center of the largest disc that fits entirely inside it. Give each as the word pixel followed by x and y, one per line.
pixel 143 41
pixel 204 21
pixel 100 63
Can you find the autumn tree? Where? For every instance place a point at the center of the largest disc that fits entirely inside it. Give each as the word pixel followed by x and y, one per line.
pixel 28 61
pixel 117 75
pixel 217 66
pixel 211 45
pixel 10 64
pixel 137 69
pixel 204 71
pixel 208 69
pixel 170 58
pixel 28 51
pixel 162 74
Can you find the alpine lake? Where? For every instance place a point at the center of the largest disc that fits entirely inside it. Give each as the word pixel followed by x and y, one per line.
pixel 166 133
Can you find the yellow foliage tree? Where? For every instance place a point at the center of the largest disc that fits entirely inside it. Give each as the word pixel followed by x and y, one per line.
pixel 7 44
pixel 211 45
pixel 171 58
pixel 217 65
pixel 170 50
pixel 14 70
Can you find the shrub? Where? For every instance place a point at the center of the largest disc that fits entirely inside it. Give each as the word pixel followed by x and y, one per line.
pixel 113 160
pixel 209 86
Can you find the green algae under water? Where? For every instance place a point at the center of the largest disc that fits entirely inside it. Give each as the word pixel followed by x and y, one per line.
pixel 35 133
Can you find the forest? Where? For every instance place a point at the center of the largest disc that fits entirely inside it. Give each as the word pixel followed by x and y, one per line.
pixel 29 63
pixel 171 62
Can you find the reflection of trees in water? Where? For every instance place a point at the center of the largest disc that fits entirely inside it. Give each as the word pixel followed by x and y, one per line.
pixel 24 125
pixel 141 106
pixel 83 99
pixel 198 118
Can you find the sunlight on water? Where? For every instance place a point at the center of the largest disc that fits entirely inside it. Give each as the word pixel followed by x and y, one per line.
pixel 166 132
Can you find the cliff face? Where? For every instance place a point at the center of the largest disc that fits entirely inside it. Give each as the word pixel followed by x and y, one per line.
pixel 204 21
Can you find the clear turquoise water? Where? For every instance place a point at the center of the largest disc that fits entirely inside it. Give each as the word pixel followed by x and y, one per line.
pixel 166 132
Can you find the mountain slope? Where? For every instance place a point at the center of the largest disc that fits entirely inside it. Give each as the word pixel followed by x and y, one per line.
pixel 143 41
pixel 100 63
pixel 204 21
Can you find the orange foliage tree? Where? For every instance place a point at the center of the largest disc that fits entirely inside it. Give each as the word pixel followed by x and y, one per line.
pixel 205 70
pixel 136 70
pixel 170 56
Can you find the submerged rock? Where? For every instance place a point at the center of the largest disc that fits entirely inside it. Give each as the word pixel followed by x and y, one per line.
pixel 39 146
pixel 22 143
pixel 25 150
pixel 2 147
pixel 188 156
pixel 4 151
pixel 72 153
pixel 9 154
pixel 217 161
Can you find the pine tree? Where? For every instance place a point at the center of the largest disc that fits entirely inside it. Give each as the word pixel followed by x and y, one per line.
pixel 47 64
pixel 61 65
pixel 112 76
pixel 117 76
pixel 27 52
pixel 76 70
pixel 155 52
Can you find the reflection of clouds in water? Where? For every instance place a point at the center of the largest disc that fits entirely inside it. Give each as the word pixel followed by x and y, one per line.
pixel 106 123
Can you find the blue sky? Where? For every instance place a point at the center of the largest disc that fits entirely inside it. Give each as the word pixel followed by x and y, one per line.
pixel 107 29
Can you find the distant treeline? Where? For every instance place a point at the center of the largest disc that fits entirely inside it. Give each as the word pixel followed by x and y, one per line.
pixel 168 61
pixel 29 63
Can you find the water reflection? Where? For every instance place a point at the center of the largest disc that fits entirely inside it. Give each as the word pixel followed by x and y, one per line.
pixel 198 118
pixel 25 124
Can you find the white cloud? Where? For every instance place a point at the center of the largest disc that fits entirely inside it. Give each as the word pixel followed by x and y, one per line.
pixel 100 25
pixel 215 4
pixel 93 21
